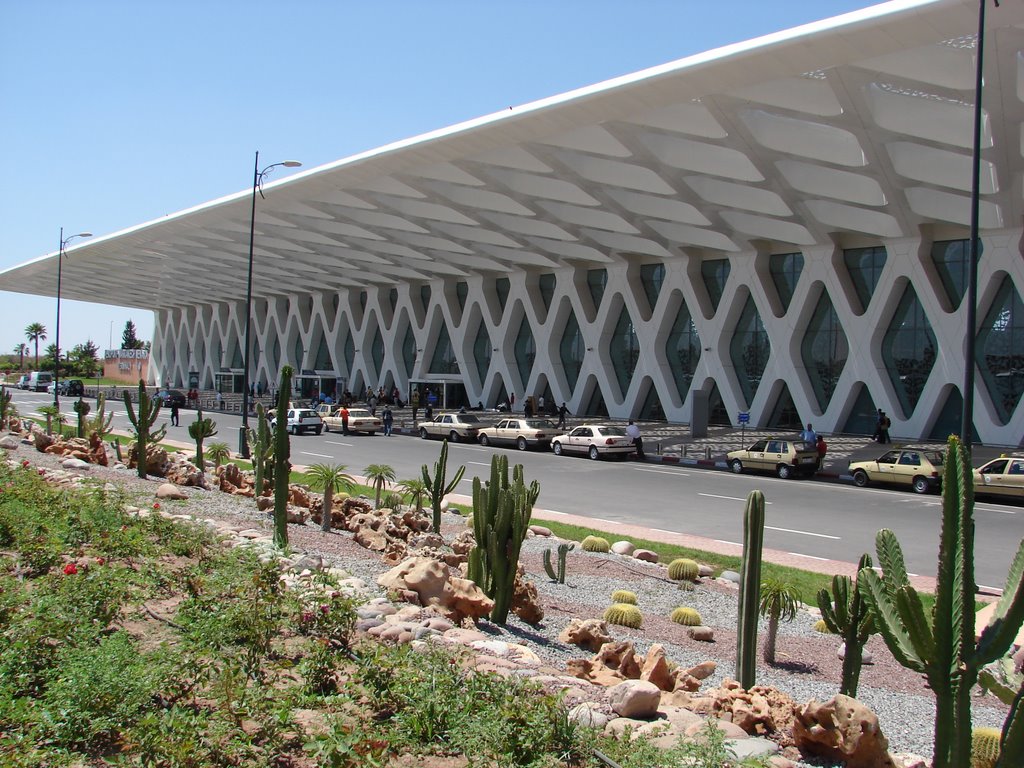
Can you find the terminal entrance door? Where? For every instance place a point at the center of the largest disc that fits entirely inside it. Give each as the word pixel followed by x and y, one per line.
pixel 442 395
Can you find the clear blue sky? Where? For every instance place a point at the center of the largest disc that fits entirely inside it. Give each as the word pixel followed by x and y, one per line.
pixel 115 113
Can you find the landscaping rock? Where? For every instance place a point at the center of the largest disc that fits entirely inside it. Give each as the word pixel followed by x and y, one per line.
pixel 624 548
pixel 646 555
pixel 170 491
pixel 703 634
pixel 636 699
pixel 590 634
pixel 730 576
pixel 75 464
pixel 588 715
pixel 10 442
pixel 842 730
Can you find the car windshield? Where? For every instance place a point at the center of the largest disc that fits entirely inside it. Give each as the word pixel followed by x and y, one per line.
pixel 540 424
pixel 304 414
pixel 611 431
pixel 467 418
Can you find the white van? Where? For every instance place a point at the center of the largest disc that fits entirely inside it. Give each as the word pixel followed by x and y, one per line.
pixel 38 381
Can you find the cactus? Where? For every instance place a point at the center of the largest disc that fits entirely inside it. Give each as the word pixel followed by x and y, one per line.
pixel 683 569
pixel 822 626
pixel 82 408
pixel 117 449
pixel 436 485
pixel 845 613
pixel 595 544
pixel 199 430
pixel 985 747
pixel 5 403
pixel 282 466
pixel 143 424
pixel 624 596
pixel 688 617
pixel 942 646
pixel 624 615
pixel 1003 677
pixel 563 550
pixel 750 590
pixel 101 423
pixel 501 517
pixel 261 448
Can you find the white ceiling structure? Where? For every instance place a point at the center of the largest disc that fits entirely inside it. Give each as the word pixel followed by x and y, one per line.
pixel 858 127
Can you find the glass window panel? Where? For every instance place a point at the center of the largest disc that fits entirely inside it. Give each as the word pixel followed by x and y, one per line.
pixel 409 351
pixel 824 350
pixel 715 273
pixel 749 350
pixel 784 415
pixel 444 360
pixel 393 298
pixel 482 351
pixel 908 350
pixel 377 351
pixel 350 352
pixel 682 348
pixel 323 356
pixel 652 276
pixel 525 351
pixel 1000 350
pixel 785 269
pixel 546 283
pixel 863 416
pixel 625 350
pixel 502 287
pixel 597 279
pixel 425 296
pixel 461 291
pixel 951 259
pixel 865 267
pixel 571 350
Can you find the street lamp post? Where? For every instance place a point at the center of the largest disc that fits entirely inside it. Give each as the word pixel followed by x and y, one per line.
pixel 257 186
pixel 56 344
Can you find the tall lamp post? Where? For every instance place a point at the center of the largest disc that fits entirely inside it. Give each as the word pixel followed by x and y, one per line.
pixel 967 415
pixel 257 186
pixel 56 344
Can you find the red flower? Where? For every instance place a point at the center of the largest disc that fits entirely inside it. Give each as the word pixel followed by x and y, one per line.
pixel 324 608
pixel 42 471
pixel 24 463
pixel 100 561
pixel 70 569
pixel 307 617
pixel 156 505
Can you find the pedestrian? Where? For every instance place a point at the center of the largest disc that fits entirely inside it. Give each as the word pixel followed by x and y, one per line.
pixel 822 447
pixel 562 413
pixel 428 412
pixel 633 431
pixel 512 402
pixel 344 420
pixel 174 413
pixel 540 405
pixel 877 437
pixel 414 401
pixel 388 419
pixel 883 428
pixel 809 436
pixel 220 400
pixel 528 409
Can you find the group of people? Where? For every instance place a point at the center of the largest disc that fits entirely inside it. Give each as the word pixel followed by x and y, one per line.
pixel 811 437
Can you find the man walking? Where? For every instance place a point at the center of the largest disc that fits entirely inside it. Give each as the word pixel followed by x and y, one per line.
pixel 388 419
pixel 174 413
pixel 562 412
pixel 633 431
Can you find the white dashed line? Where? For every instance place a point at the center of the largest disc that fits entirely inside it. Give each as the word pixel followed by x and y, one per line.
pixel 332 442
pixel 318 455
pixel 729 498
pixel 733 543
pixel 809 557
pixel 802 533
pixel 663 471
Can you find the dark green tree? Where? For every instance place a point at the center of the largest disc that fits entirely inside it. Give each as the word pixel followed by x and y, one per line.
pixel 129 340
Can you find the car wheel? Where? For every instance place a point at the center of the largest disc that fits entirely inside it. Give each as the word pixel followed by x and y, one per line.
pixel 371 433
pixel 784 471
pixel 860 478
pixel 521 443
pixel 317 430
pixel 594 453
pixel 736 466
pixel 423 433
pixel 556 447
pixel 484 440
pixel 453 436
pixel 921 485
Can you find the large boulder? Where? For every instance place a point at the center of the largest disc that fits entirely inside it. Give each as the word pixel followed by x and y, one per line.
pixel 525 600
pixel 434 585
pixel 590 634
pixel 842 730
pixel 759 711
pixel 636 699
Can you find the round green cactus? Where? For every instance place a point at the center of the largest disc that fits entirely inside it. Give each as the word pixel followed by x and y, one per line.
pixel 624 615
pixel 985 747
pixel 595 544
pixel 624 596
pixel 822 626
pixel 683 569
pixel 688 617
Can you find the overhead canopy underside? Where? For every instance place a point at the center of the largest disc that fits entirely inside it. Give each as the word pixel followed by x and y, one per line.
pixel 857 128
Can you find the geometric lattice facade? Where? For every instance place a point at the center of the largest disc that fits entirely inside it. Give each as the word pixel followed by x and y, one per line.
pixel 779 224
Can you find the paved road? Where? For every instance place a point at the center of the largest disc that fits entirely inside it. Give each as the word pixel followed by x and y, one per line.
pixel 813 518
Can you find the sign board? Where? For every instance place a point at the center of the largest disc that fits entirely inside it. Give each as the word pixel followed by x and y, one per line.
pixel 743 418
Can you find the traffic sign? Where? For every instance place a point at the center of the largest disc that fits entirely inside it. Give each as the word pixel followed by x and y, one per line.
pixel 744 417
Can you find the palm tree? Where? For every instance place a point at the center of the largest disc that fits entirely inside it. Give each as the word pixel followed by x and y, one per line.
pixel 36 332
pixel 379 476
pixel 218 453
pixel 329 478
pixel 416 490
pixel 779 602
pixel 20 350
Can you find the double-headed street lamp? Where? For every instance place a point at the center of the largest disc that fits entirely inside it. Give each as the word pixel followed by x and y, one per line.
pixel 56 344
pixel 257 186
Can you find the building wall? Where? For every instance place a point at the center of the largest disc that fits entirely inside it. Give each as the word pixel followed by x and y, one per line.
pixel 206 338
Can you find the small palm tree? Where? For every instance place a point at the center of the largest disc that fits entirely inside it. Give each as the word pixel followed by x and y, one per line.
pixel 21 350
pixel 52 414
pixel 416 490
pixel 779 602
pixel 218 453
pixel 36 332
pixel 379 476
pixel 329 478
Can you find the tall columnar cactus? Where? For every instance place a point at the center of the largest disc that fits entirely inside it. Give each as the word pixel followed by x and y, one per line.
pixel 199 430
pixel 845 613
pixel 261 448
pixel 5 403
pixel 143 424
pixel 82 408
pixel 501 517
pixel 436 485
pixel 563 551
pixel 942 646
pixel 750 590
pixel 282 466
pixel 101 423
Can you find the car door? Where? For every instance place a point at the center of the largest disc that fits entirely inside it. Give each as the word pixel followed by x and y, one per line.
pixel 993 477
pixel 579 439
pixel 775 453
pixel 501 432
pixel 884 470
pixel 907 468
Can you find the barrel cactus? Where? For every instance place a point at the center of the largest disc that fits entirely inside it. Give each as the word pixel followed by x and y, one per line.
pixel 822 626
pixel 624 596
pixel 683 569
pixel 595 544
pixel 688 617
pixel 624 615
pixel 985 747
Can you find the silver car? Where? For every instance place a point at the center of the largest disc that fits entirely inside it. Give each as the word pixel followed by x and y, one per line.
pixel 595 441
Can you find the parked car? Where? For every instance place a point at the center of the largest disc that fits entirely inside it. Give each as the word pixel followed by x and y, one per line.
pixel 522 433
pixel 300 420
pixel 359 420
pixel 23 381
pixel 776 454
pixel 1001 477
pixel 454 426
pixel 72 387
pixel 919 468
pixel 595 441
pixel 167 397
pixel 39 381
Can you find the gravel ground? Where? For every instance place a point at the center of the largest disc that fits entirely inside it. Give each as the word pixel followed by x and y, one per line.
pixel 807 665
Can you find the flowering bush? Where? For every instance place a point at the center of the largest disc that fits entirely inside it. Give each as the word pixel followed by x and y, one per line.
pixel 70 569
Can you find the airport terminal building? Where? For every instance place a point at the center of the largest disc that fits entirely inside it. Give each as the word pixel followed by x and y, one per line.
pixel 779 226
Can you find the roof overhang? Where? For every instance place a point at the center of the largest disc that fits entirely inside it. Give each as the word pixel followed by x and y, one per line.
pixel 857 126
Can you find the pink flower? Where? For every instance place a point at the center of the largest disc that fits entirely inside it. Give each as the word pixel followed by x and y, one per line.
pixel 307 617
pixel 70 569
pixel 325 608
pixel 24 463
pixel 100 561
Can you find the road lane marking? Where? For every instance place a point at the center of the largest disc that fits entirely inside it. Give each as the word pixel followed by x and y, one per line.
pixel 810 557
pixel 334 442
pixel 662 530
pixel 730 498
pixel 319 455
pixel 481 463
pixel 662 471
pixel 802 533
pixel 733 543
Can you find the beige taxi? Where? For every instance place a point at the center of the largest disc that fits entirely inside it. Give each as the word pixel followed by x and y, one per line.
pixel 918 468
pixel 1001 477
pixel 780 455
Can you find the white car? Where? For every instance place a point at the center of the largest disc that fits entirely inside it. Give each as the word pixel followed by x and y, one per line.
pixel 595 441
pixel 359 420
pixel 522 433
pixel 301 419
pixel 453 426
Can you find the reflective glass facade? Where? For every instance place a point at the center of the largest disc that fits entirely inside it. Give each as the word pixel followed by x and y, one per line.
pixel 682 348
pixel 546 284
pixel 784 414
pixel 824 350
pixel 571 350
pixel 502 287
pixel 597 279
pixel 377 352
pixel 908 350
pixel 715 273
pixel 865 267
pixel 444 359
pixel 350 352
pixel 461 292
pixel 624 347
pixel 525 351
pixel 652 276
pixel 785 269
pixel 482 351
pixel 409 351
pixel 951 258
pixel 425 296
pixel 749 350
pixel 1000 350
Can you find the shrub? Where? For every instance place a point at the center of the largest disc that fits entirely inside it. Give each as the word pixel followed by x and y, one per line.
pixel 624 596
pixel 624 615
pixel 683 569
pixel 595 544
pixel 688 617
